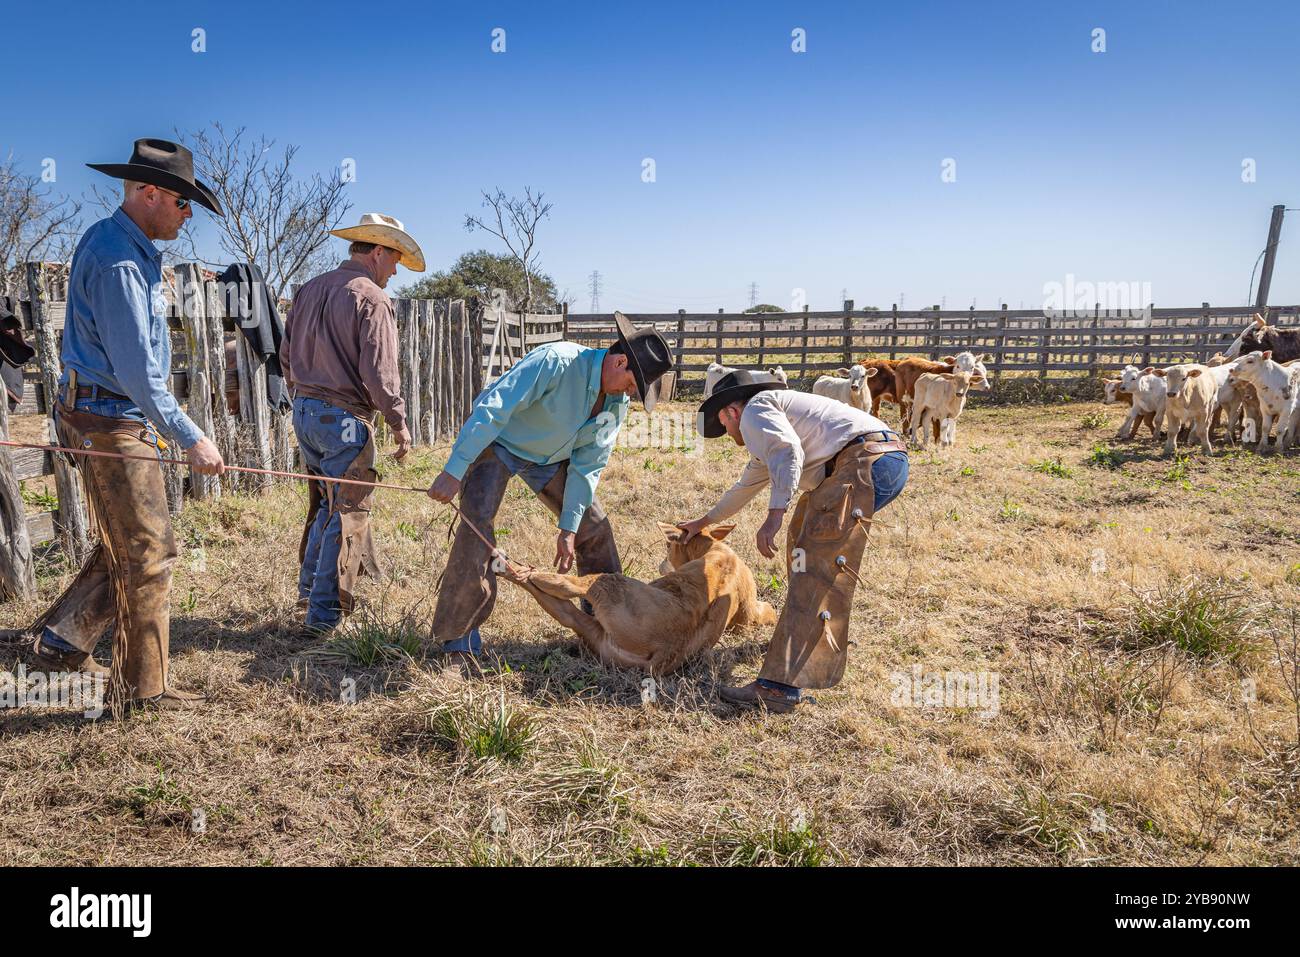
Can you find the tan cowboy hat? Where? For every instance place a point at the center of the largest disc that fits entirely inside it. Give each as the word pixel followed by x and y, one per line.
pixel 387 232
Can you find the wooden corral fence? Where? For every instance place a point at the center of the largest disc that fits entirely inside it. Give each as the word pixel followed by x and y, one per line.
pixel 441 366
pixel 508 336
pixel 1020 341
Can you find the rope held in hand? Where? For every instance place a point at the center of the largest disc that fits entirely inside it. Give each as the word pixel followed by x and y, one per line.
pixel 496 552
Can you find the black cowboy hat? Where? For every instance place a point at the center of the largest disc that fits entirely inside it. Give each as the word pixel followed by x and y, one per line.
pixel 735 386
pixel 647 356
pixel 164 164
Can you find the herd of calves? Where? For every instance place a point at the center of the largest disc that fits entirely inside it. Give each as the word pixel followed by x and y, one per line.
pixel 1255 384
pixel 1253 389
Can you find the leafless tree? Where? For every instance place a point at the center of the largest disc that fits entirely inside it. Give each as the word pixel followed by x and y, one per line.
pixel 275 218
pixel 514 221
pixel 35 224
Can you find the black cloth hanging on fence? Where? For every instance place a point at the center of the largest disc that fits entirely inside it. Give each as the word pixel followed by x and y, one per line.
pixel 250 302
pixel 14 354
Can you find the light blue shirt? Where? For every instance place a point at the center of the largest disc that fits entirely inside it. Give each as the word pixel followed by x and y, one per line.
pixel 541 411
pixel 116 331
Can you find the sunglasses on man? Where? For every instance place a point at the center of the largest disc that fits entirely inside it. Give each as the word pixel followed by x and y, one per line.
pixel 181 201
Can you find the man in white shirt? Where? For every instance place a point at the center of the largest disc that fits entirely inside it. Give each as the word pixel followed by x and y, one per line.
pixel 849 464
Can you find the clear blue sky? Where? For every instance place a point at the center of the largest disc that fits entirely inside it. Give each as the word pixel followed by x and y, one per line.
pixel 818 170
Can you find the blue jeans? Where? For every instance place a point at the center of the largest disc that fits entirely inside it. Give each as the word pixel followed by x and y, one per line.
pixel 329 439
pixel 889 475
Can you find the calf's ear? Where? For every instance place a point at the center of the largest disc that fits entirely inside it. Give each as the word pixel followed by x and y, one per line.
pixel 1268 354
pixel 671 532
pixel 1193 373
pixel 719 532
pixel 872 371
pixel 842 373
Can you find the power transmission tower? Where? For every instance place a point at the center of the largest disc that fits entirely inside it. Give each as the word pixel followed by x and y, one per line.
pixel 753 294
pixel 844 295
pixel 594 286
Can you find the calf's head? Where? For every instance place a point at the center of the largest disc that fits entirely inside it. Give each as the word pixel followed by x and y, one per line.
pixel 1112 390
pixel 680 553
pixel 857 374
pixel 1175 377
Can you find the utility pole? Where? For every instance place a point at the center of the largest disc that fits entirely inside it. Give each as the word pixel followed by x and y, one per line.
pixel 902 300
pixel 753 294
pixel 1270 256
pixel 844 295
pixel 594 286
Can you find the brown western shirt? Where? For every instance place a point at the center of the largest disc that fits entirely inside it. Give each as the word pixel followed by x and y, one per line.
pixel 340 345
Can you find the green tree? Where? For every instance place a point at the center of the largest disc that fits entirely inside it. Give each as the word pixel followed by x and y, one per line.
pixel 475 274
pixel 764 307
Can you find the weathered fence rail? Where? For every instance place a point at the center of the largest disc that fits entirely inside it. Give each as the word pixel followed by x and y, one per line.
pixel 1019 341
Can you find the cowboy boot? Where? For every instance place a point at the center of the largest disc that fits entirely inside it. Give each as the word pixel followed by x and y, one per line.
pixel 63 659
pixel 171 699
pixel 755 695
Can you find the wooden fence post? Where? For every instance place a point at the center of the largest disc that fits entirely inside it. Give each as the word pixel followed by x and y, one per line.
pixel 428 374
pixel 71 519
pixel 1146 340
pixel 1044 347
pixel 218 312
pixel 474 316
pixel 564 320
pixel 17 571
pixel 803 356
pixel 681 337
pixel 848 333
pixel 717 352
pixel 192 302
pixel 1206 342
pixel 1001 340
pixel 893 337
pixel 762 340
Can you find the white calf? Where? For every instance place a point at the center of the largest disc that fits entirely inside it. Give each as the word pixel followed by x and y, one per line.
pixel 1276 386
pixel 968 362
pixel 1149 395
pixel 938 398
pixel 715 372
pixel 849 386
pixel 1189 400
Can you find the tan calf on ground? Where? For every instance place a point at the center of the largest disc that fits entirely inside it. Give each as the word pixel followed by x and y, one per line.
pixel 655 626
pixel 1190 397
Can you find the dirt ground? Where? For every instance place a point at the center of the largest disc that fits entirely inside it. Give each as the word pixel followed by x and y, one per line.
pixel 1015 567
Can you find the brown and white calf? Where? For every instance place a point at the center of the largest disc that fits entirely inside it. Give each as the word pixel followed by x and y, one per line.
pixel 1190 393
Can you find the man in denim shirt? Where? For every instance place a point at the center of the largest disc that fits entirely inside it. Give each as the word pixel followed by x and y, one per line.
pixel 551 420
pixel 114 396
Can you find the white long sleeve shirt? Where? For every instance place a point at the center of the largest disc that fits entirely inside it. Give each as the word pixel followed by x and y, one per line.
pixel 791 436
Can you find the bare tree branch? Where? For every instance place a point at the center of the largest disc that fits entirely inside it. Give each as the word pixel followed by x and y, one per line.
pixel 514 221
pixel 35 225
pixel 274 219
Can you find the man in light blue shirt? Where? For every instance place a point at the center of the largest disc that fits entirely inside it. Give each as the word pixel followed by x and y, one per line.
pixel 114 396
pixel 551 420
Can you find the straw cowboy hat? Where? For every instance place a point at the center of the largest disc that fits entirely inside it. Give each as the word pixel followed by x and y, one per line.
pixel 387 232
pixel 164 164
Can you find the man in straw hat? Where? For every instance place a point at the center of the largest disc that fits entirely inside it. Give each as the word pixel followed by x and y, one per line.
pixel 339 357
pixel 551 420
pixel 114 397
pixel 850 465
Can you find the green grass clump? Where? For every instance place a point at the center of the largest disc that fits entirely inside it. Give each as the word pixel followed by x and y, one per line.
pixel 1205 617
pixel 368 637
pixel 780 843
pixel 1103 456
pixel 484 727
pixel 1053 466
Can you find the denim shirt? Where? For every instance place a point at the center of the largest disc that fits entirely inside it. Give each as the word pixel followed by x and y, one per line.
pixel 540 411
pixel 116 331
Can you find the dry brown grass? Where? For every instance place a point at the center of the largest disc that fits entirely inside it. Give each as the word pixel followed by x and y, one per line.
pixel 1103 750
